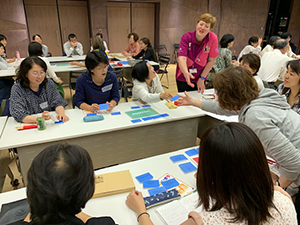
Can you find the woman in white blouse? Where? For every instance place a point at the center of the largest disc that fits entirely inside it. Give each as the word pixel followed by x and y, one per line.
pixel 254 46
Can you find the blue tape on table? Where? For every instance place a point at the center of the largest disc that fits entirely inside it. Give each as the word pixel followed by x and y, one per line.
pixel 155 191
pixel 177 158
pixel 168 184
pixel 103 106
pixel 174 98
pixel 135 107
pixel 146 106
pixel 192 152
pixel 142 178
pixel 187 167
pixel 151 184
pixel 147 118
pixel 156 117
pixel 115 113
pixel 164 115
pixel 136 121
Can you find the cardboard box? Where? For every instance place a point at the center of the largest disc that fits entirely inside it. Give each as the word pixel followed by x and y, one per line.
pixel 113 183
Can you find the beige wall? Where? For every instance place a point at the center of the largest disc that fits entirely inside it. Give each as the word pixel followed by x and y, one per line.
pixel 294 26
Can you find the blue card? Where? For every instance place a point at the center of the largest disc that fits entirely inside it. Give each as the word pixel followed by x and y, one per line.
pixel 151 184
pixel 115 113
pixel 135 107
pixel 168 184
pixel 147 118
pixel 156 117
pixel 91 114
pixel 164 115
pixel 177 158
pixel 136 121
pixel 58 122
pixel 103 106
pixel 144 177
pixel 155 191
pixel 187 167
pixel 192 152
pixel 146 106
pixel 174 98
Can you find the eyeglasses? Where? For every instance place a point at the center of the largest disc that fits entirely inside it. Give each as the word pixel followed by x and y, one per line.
pixel 102 67
pixel 38 74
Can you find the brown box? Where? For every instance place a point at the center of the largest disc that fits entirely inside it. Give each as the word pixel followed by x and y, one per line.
pixel 113 183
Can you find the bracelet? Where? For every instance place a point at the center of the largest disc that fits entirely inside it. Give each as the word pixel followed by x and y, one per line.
pixel 203 78
pixel 141 215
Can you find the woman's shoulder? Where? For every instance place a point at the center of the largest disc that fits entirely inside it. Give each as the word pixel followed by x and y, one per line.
pixel 213 36
pixel 100 221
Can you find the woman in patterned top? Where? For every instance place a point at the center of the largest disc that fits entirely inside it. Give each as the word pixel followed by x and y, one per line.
pixel 33 93
pixel 291 85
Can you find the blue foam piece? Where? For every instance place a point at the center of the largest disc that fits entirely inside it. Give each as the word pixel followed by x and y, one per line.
pixel 136 121
pixel 151 184
pixel 91 114
pixel 174 98
pixel 93 118
pixel 164 115
pixel 124 62
pixel 155 191
pixel 103 106
pixel 144 177
pixel 147 118
pixel 58 122
pixel 168 184
pixel 146 106
pixel 192 152
pixel 135 107
pixel 187 167
pixel 177 158
pixel 115 113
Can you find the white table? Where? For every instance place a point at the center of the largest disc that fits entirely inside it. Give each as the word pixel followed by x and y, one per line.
pixel 114 205
pixel 3 120
pixel 119 139
pixel 56 59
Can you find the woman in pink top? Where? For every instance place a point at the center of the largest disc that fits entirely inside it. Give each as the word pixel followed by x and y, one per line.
pixel 196 55
pixel 133 47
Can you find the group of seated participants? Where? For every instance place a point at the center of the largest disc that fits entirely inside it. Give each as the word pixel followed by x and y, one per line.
pixel 234 182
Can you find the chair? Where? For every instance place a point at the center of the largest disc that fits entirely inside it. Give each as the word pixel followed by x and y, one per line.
pixel 163 65
pixel 161 50
pixel 72 83
pixel 125 82
pixel 49 54
pixel 175 55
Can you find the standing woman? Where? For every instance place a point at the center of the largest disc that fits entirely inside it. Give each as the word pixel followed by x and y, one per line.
pixel 147 52
pixel 291 85
pixel 196 55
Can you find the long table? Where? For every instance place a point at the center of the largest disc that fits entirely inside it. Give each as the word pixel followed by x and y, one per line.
pixel 112 141
pixel 114 205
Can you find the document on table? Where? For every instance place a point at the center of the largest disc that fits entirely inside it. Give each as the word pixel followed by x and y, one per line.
pixel 176 212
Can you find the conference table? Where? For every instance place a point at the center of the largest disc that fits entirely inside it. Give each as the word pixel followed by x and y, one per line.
pixel 114 140
pixel 114 205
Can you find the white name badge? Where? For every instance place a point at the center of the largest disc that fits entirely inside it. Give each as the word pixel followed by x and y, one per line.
pixel 193 70
pixel 107 88
pixel 44 105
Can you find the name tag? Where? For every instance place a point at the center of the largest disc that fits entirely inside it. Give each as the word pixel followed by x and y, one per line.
pixel 193 70
pixel 107 88
pixel 44 105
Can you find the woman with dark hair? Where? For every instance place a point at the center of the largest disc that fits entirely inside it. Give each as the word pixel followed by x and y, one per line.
pixel 291 85
pixel 133 47
pixel 254 46
pixel 58 188
pixel 97 85
pixel 231 189
pixel 147 52
pixel 224 59
pixel 100 34
pixel 33 93
pixel 270 46
pixel 266 113
pixel 38 38
pixel 146 84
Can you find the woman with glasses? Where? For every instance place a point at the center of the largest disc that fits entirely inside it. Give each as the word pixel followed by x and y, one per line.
pixel 97 85
pixel 33 93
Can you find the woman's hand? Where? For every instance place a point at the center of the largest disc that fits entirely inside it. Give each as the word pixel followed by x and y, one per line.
pixel 200 85
pixel 185 100
pixel 94 107
pixel 136 202
pixel 165 96
pixel 62 116
pixel 45 115
pixel 188 77
pixel 111 105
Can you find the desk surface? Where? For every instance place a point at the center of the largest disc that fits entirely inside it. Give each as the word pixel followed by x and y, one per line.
pixel 66 58
pixel 75 127
pixel 106 206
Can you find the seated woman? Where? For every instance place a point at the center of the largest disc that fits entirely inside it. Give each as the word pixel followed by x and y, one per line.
pixel 231 189
pixel 58 188
pixel 33 93
pixel 133 47
pixel 146 84
pixel 291 85
pixel 97 85
pixel 38 38
pixel 252 47
pixel 147 52
pixel 251 62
